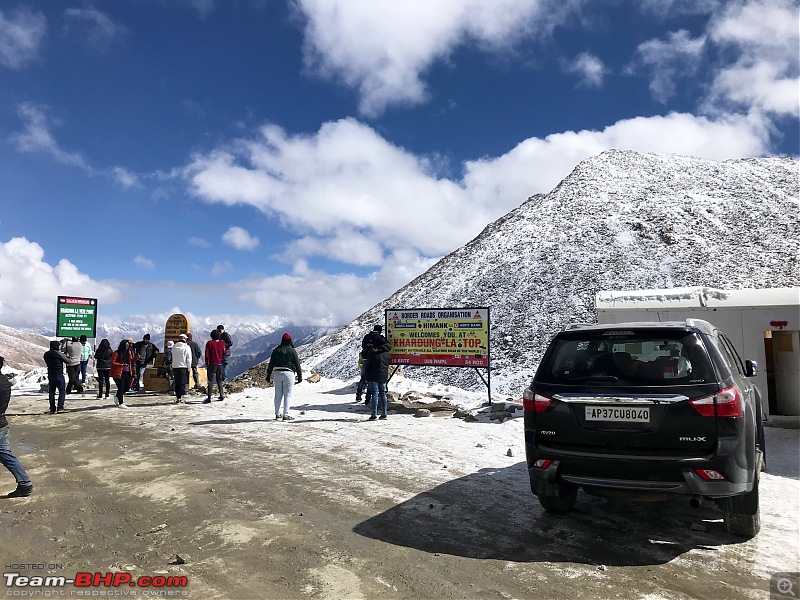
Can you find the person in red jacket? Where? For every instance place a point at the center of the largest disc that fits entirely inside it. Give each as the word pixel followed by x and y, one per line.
pixel 123 365
pixel 215 356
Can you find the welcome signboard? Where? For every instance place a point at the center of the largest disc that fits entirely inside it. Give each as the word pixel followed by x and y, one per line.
pixel 76 317
pixel 439 337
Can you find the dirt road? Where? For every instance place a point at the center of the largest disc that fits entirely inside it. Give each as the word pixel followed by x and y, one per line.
pixel 322 507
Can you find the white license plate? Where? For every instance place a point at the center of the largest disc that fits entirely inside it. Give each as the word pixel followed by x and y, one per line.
pixel 623 414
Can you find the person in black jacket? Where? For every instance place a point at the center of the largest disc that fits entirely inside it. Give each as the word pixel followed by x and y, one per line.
pixel 377 373
pixel 144 351
pixel 103 357
pixel 55 361
pixel 196 354
pixel 225 337
pixel 366 349
pixel 11 462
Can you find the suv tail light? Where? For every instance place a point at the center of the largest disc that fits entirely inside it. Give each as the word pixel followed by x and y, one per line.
pixel 728 403
pixel 533 402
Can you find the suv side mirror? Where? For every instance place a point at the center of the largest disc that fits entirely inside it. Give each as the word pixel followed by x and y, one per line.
pixel 750 368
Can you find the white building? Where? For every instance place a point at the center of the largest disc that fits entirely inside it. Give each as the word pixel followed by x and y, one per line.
pixel 763 324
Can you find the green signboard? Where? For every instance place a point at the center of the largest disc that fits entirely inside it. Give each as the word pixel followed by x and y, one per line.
pixel 76 317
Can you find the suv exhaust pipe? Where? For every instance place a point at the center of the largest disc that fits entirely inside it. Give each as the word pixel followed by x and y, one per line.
pixel 696 501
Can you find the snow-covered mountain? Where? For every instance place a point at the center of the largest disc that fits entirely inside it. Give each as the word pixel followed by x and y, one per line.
pixel 620 221
pixel 259 349
pixel 22 350
pixel 243 334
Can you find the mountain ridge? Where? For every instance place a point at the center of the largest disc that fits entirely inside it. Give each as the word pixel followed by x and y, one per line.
pixel 621 220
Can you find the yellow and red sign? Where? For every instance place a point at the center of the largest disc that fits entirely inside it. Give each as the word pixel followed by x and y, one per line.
pixel 439 337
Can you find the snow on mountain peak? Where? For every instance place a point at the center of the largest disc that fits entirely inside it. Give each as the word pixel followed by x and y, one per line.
pixel 621 220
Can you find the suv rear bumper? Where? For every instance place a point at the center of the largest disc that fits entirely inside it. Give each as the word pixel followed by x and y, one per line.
pixel 683 481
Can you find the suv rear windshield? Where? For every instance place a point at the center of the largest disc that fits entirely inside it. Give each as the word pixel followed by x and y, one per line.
pixel 632 357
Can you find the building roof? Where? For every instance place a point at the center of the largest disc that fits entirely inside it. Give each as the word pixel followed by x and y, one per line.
pixel 696 297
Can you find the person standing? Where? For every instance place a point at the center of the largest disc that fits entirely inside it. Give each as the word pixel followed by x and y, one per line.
pixel 11 462
pixel 74 349
pixel 225 337
pixel 55 362
pixel 284 364
pixel 362 383
pixel 377 373
pixel 215 351
pixel 366 350
pixel 102 357
pixel 86 354
pixel 196 354
pixel 144 351
pixel 122 367
pixel 181 361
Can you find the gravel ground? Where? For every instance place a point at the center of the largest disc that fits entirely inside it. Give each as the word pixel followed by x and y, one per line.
pixel 331 506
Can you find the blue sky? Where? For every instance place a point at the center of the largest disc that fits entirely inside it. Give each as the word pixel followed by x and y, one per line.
pixel 251 159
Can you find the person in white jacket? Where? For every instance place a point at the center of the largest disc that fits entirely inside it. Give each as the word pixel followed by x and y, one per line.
pixel 181 363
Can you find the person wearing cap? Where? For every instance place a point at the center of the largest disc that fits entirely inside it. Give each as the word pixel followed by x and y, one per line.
pixel 284 364
pixel 86 354
pixel 215 351
pixel 55 361
pixel 7 458
pixel 366 349
pixel 144 351
pixel 181 362
pixel 196 354
pixel 225 337
pixel 376 372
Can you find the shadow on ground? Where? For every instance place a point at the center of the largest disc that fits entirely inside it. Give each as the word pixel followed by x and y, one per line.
pixel 491 515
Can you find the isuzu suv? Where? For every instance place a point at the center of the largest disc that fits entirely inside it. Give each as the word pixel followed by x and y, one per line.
pixel 646 411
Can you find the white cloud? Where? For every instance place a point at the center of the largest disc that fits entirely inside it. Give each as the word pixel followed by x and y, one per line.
pixel 125 177
pixel 21 34
pixel 316 298
pixel 383 49
pixel 95 29
pixel 203 7
pixel 677 56
pixel 751 48
pixel 590 68
pixel 672 8
pixel 352 196
pixel 347 246
pixel 240 239
pixel 199 242
pixel 29 286
pixel 143 262
pixel 763 36
pixel 221 267
pixel 36 137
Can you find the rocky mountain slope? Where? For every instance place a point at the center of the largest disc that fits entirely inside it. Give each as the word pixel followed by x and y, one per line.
pixel 22 350
pixel 620 221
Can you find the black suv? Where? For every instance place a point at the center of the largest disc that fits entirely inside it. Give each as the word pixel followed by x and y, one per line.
pixel 646 410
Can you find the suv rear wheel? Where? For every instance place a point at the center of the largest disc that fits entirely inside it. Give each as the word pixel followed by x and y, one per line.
pixel 742 514
pixel 556 496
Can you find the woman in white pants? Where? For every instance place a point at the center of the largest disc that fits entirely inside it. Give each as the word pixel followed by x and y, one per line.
pixel 284 369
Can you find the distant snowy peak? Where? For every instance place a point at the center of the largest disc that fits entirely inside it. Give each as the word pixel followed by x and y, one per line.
pixel 242 333
pixel 620 221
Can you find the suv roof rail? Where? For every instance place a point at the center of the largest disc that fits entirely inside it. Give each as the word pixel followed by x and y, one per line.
pixel 692 323
pixel 577 326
